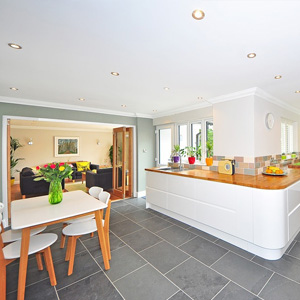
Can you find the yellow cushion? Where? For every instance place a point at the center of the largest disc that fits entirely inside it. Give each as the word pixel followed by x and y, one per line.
pixel 94 171
pixel 83 166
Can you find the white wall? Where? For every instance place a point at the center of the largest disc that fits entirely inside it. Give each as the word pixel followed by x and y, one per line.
pixel 42 150
pixel 234 127
pixel 267 141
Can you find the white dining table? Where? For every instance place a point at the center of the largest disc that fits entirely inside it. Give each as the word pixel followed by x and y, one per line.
pixel 30 213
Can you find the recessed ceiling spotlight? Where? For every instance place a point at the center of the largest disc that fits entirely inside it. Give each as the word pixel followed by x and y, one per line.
pixel 81 99
pixel 15 46
pixel 251 55
pixel 297 92
pixel 166 88
pixel 200 98
pixel 154 110
pixel 278 77
pixel 198 14
pixel 123 105
pixel 14 88
pixel 114 73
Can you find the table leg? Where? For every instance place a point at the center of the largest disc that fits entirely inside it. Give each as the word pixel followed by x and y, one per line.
pixel 98 217
pixel 23 263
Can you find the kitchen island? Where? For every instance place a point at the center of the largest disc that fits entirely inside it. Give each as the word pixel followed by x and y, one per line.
pixel 260 214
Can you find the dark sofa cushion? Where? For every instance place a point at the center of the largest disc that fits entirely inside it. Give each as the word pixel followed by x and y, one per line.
pixel 27 172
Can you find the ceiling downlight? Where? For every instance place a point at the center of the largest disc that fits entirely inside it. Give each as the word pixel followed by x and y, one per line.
pixel 14 46
pixel 278 77
pixel 115 73
pixel 251 55
pixel 198 14
pixel 14 88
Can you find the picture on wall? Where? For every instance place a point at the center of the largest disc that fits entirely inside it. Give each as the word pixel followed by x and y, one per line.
pixel 66 146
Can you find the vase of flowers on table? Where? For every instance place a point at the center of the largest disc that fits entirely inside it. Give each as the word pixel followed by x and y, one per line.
pixel 54 173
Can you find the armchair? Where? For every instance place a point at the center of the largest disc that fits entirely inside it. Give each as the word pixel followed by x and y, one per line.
pixel 103 178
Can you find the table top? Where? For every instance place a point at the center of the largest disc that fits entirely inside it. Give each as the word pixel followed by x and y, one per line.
pixel 37 210
pixel 259 181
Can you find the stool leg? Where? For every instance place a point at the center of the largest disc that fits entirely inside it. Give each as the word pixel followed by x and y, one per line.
pixel 63 238
pixel 72 255
pixel 39 261
pixel 49 265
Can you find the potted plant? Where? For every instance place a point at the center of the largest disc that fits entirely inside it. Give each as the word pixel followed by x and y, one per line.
pixel 190 152
pixel 176 153
pixel 283 156
pixel 14 145
pixel 209 158
pixel 110 154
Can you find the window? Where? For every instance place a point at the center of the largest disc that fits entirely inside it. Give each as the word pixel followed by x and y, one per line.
pixel 196 134
pixel 164 144
pixel 287 136
pixel 182 136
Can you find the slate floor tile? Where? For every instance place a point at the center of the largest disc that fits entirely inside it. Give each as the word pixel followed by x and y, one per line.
pixel 141 239
pixel 123 228
pixel 175 235
pixel 155 224
pixel 139 202
pixel 125 209
pixel 138 216
pixel 203 250
pixel 242 271
pixel 94 287
pixel 287 266
pixel 202 234
pixel 115 217
pixel 197 280
pixel 40 290
pixel 164 256
pixel 280 288
pixel 84 265
pixel 235 292
pixel 179 223
pixel 144 283
pixel 180 296
pixel 235 249
pixel 118 203
pixel 33 274
pixel 93 246
pixel 295 250
pixel 123 261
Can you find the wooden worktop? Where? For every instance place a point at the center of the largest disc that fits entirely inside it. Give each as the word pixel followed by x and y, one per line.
pixel 259 181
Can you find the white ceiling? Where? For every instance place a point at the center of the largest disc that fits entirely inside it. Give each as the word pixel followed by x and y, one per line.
pixel 70 48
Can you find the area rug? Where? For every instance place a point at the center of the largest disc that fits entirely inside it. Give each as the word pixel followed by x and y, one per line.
pixel 75 186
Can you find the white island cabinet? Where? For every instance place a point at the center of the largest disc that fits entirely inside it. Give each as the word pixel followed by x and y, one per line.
pixel 261 221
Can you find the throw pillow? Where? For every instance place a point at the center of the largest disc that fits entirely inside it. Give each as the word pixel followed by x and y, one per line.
pixel 83 166
pixel 94 171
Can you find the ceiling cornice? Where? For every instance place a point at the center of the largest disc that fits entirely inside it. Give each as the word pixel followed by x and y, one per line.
pixel 31 102
pixel 32 127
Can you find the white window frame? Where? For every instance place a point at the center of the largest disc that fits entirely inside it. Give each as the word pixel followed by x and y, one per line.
pixel 189 136
pixel 168 126
pixel 295 135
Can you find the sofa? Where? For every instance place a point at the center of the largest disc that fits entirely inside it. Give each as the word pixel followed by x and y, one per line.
pixel 77 173
pixel 29 187
pixel 102 178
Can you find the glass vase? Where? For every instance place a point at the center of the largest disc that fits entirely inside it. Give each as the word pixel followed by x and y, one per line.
pixel 55 192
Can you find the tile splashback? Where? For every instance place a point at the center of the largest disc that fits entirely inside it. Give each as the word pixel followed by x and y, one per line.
pixel 245 165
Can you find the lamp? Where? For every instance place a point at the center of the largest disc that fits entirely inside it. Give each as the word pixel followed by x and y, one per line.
pixel 30 143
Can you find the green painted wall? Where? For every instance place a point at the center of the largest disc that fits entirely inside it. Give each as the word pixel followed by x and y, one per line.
pixel 145 150
pixel 144 129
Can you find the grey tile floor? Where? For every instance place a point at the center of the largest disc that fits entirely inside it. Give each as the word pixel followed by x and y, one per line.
pixel 157 257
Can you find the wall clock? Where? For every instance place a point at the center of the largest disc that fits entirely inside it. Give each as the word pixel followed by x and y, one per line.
pixel 269 120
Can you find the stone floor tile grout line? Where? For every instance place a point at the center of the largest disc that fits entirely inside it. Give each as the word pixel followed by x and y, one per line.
pixel 187 241
pixel 56 293
pixel 178 265
pixel 104 272
pixel 177 292
pixel 131 272
pixel 159 242
pixel 220 258
pixel 266 283
pixel 220 290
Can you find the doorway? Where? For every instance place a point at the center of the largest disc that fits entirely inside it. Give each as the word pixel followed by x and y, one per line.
pixel 122 162
pixel 76 124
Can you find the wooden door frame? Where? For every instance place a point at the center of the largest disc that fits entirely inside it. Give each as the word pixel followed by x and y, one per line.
pixel 4 154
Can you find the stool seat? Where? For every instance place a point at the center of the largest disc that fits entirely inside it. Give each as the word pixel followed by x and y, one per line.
pixel 81 228
pixel 37 243
pixel 9 236
pixel 79 220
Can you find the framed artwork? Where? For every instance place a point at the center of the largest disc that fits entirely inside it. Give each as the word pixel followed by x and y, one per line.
pixel 66 146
